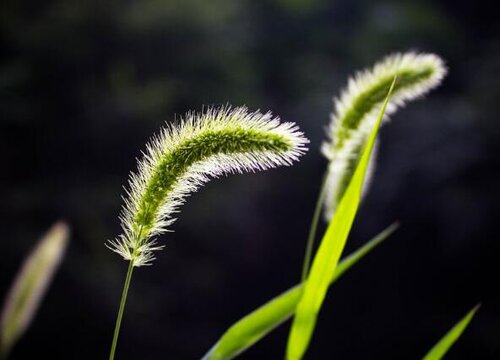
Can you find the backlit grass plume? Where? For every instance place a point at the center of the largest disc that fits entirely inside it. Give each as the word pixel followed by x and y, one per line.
pixel 356 110
pixel 181 158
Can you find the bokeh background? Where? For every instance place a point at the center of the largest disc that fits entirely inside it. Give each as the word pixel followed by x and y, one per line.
pixel 84 84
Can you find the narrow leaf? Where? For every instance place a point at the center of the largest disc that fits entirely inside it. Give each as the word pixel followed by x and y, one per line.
pixel 442 347
pixel 253 327
pixel 330 249
pixel 30 285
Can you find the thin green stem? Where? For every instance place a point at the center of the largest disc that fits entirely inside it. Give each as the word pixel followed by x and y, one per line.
pixel 121 309
pixel 312 230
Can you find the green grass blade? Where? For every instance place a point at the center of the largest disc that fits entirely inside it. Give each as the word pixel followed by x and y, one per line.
pixel 353 258
pixel 30 285
pixel 328 254
pixel 442 347
pixel 312 230
pixel 253 327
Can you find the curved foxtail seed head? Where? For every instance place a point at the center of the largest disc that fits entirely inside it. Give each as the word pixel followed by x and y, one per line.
pixel 358 106
pixel 182 158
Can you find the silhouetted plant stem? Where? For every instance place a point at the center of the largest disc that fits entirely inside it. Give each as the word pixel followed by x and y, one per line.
pixel 119 317
pixel 313 229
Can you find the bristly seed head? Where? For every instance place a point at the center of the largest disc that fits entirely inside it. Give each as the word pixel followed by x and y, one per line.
pixel 182 158
pixel 356 110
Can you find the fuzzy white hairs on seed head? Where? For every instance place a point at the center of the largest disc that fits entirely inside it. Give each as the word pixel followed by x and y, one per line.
pixel 181 158
pixel 356 110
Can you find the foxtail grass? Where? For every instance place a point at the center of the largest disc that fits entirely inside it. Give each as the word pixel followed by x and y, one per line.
pixel 180 159
pixel 354 115
pixel 253 327
pixel 329 252
pixel 356 109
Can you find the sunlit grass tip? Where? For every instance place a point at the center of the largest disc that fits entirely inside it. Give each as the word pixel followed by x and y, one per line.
pixel 182 157
pixel 356 109
pixel 439 350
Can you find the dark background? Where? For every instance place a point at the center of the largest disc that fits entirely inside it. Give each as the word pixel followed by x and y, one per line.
pixel 84 84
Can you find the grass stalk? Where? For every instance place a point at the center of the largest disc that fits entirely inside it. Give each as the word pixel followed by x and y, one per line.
pixel 121 309
pixel 313 230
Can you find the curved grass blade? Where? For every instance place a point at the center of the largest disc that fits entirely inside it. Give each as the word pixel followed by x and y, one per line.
pixel 30 285
pixel 330 249
pixel 253 327
pixel 442 347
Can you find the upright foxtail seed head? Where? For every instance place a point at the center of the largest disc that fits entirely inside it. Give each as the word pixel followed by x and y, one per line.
pixel 356 110
pixel 182 158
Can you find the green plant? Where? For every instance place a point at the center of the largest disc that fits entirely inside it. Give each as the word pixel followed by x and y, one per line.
pixel 358 111
pixel 180 159
pixel 226 140
pixel 354 115
pixel 358 106
pixel 351 133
